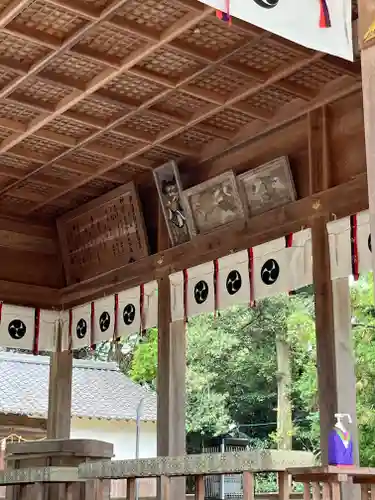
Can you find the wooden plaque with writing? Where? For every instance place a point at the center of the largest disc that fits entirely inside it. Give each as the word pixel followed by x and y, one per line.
pixel 102 235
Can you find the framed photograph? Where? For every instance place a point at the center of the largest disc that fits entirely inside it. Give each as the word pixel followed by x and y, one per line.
pixel 168 184
pixel 267 186
pixel 213 203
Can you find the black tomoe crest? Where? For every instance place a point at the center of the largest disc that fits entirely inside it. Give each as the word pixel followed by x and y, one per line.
pixel 104 321
pixel 128 314
pixel 81 328
pixel 267 4
pixel 270 272
pixel 369 243
pixel 233 282
pixel 201 290
pixel 17 329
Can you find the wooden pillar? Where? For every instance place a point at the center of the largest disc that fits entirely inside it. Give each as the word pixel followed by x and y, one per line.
pixel 366 34
pixel 60 394
pixel 335 358
pixel 171 383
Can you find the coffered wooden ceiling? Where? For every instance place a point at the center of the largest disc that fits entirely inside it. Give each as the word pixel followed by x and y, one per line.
pixel 94 94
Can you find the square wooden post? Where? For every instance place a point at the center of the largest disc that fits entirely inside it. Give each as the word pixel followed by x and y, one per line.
pixel 171 386
pixel 60 393
pixel 335 358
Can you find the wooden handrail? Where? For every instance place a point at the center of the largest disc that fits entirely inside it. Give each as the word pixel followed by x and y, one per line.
pixel 12 477
pixel 193 465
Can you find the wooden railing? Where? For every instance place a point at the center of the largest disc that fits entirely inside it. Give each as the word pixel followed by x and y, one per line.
pixel 165 469
pixel 330 483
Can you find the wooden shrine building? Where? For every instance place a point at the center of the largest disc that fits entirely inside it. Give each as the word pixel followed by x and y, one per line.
pixel 96 95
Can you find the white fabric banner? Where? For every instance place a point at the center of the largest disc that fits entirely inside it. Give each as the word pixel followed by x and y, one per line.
pixel 17 327
pixel 65 322
pixel 300 260
pixel 150 305
pixel 176 281
pixel 104 324
pixel 48 330
pixel 298 21
pixel 340 249
pixel 270 269
pixel 200 290
pixel 128 317
pixel 364 242
pixel 81 326
pixel 233 280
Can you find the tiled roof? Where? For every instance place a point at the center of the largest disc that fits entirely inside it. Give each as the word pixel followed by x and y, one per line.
pixel 100 390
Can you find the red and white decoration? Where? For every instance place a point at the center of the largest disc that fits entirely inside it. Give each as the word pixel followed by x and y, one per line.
pixel 340 247
pixel 17 327
pixel 362 242
pixel 128 312
pixel 200 291
pixel 270 269
pixel 232 280
pixel 176 281
pixel 322 25
pixel 104 319
pixel 80 327
pixel 48 330
pixel 300 260
pixel 149 314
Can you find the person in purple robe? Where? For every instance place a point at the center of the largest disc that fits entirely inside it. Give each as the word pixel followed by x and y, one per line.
pixel 340 444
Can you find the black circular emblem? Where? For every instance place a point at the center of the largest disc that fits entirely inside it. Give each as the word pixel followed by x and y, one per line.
pixel 267 4
pixel 81 328
pixel 201 292
pixel 128 314
pixel 104 321
pixel 270 272
pixel 17 329
pixel 234 282
pixel 369 243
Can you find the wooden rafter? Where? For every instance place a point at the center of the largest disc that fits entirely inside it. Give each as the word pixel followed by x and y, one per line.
pixel 269 76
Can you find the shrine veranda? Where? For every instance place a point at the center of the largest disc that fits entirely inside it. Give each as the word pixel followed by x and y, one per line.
pixel 157 162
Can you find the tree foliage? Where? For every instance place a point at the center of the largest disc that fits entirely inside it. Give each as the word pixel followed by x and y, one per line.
pixel 232 369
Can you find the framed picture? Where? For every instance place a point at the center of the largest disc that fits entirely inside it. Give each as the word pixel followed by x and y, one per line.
pixel 168 184
pixel 213 203
pixel 102 235
pixel 267 186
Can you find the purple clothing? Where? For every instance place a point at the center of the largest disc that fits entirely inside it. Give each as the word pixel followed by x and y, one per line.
pixel 338 454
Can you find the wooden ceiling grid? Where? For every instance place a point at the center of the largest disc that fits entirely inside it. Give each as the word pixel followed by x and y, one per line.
pixel 93 93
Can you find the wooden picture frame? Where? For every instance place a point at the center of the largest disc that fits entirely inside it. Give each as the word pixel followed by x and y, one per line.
pixel 102 235
pixel 168 184
pixel 267 187
pixel 214 203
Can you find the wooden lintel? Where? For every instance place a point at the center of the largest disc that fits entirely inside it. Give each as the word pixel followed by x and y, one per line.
pixel 338 201
pixel 29 295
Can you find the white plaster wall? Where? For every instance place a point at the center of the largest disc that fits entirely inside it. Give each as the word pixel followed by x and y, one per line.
pixel 121 433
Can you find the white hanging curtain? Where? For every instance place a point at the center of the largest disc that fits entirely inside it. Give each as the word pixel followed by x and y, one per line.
pixel 233 283
pixel 340 248
pixel 17 327
pixel 48 330
pixel 150 305
pixel 364 242
pixel 81 326
pixel 299 21
pixel 300 260
pixel 128 312
pixel 176 281
pixel 270 269
pixel 200 289
pixel 104 319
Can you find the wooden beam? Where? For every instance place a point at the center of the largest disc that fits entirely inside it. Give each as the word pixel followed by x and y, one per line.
pixel 341 200
pixel 29 295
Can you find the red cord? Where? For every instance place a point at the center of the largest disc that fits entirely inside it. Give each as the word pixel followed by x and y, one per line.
pixel 354 242
pixel 36 332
